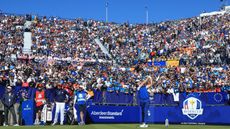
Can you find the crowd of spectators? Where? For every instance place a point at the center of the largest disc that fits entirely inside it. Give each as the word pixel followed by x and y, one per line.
pixel 63 50
pixel 11 36
pixel 65 39
pixel 194 41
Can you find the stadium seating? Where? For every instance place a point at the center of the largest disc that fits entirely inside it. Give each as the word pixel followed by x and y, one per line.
pixel 184 55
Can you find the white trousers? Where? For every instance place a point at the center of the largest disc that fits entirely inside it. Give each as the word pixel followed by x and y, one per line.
pixel 60 108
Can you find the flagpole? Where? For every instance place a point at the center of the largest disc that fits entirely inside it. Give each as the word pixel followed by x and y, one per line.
pixel 147 15
pixel 106 11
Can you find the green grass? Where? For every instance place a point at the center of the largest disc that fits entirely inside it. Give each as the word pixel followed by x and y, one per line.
pixel 119 126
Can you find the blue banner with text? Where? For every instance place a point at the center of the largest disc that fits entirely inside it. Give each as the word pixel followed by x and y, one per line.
pixel 114 114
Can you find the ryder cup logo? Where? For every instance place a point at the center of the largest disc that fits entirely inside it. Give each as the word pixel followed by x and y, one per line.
pixel 192 107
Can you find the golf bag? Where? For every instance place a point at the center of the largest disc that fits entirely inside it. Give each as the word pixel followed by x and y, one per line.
pixel 47 114
pixel 69 113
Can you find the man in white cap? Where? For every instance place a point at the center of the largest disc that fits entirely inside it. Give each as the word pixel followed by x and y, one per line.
pixel 8 100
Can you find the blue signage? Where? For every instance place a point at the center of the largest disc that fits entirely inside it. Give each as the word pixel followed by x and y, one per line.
pixel 210 115
pixel 159 63
pixel 192 107
pixel 114 114
pixel 193 110
pixel 28 112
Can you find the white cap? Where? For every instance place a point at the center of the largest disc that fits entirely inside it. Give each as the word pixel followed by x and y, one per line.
pixel 9 87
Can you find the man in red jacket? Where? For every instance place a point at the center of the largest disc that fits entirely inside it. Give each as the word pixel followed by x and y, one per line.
pixel 40 100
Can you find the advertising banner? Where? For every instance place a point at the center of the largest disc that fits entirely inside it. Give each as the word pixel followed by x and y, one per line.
pixel 206 115
pixel 114 114
pixel 192 111
pixel 159 63
pixel 172 63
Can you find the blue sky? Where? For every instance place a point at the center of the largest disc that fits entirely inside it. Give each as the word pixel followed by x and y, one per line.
pixel 119 10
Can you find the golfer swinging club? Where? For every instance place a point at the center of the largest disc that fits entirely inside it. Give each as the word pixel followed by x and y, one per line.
pixel 144 99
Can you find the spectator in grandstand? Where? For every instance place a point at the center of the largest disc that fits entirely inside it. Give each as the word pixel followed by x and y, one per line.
pixel 90 93
pixel 8 100
pixel 40 99
pixel 60 98
pixel 144 99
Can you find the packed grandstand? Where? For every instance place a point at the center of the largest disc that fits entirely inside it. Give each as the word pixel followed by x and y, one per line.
pixel 182 56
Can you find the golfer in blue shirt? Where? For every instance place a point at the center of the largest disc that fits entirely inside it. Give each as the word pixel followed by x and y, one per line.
pixel 144 99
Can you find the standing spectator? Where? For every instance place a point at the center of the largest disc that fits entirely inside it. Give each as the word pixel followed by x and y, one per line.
pixel 8 100
pixel 60 97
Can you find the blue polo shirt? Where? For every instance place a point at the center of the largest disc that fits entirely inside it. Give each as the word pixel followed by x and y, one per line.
pixel 143 94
